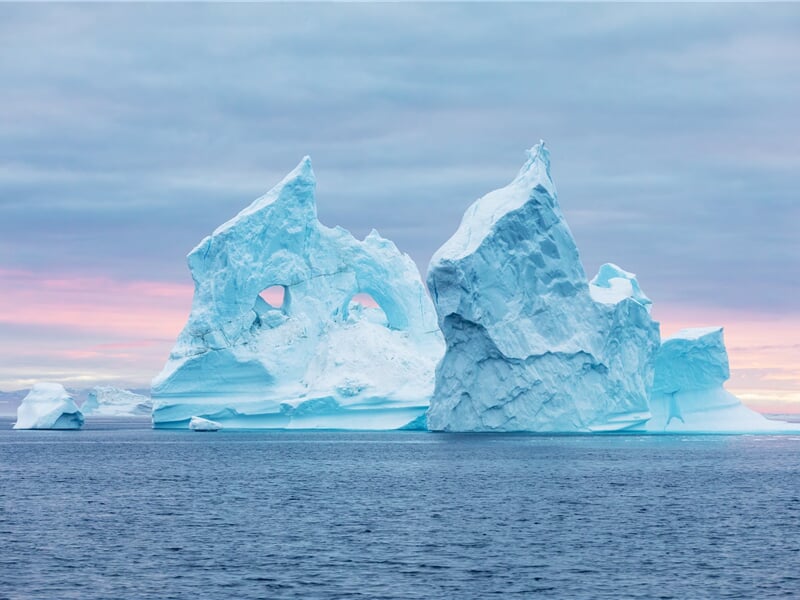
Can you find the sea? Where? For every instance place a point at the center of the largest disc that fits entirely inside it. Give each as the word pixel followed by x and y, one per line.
pixel 119 510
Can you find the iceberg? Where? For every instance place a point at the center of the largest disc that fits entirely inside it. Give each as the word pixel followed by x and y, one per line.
pixel 200 424
pixel 107 401
pixel 688 394
pixel 48 406
pixel 531 345
pixel 297 325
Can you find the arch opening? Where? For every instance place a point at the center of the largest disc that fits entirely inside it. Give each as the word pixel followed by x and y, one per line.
pixel 274 296
pixel 362 306
pixel 271 306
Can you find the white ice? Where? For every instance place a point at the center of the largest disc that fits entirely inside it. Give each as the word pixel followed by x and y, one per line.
pixel 48 406
pixel 613 284
pixel 200 424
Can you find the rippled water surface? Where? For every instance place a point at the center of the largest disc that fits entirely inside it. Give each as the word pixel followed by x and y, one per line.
pixel 121 511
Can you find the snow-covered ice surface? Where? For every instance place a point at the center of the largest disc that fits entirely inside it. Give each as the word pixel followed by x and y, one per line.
pixel 107 401
pixel 612 285
pixel 688 394
pixel 200 424
pixel 316 359
pixel 48 406
pixel 530 346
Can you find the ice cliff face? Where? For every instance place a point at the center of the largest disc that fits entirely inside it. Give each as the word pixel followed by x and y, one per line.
pixel 687 394
pixel 106 401
pixel 48 406
pixel 317 360
pixel 531 346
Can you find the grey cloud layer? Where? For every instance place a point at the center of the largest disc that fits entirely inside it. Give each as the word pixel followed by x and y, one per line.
pixel 128 132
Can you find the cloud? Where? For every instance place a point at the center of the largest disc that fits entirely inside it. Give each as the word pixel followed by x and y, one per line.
pixel 97 305
pixel 78 329
pixel 137 129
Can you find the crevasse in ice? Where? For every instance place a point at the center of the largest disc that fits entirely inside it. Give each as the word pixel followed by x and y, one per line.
pixel 108 401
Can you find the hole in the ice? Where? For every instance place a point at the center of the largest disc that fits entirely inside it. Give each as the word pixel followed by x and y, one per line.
pixel 274 296
pixel 364 300
pixel 363 306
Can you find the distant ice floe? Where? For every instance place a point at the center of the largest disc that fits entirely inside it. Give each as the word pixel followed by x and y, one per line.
pixel 107 401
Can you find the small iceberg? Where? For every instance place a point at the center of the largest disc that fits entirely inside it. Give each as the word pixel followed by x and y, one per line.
pixel 688 396
pixel 48 406
pixel 200 424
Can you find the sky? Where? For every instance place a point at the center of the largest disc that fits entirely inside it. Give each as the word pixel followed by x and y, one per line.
pixel 128 132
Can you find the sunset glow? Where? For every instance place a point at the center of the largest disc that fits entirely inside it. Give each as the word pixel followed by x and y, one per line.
pixel 86 329
pixel 93 329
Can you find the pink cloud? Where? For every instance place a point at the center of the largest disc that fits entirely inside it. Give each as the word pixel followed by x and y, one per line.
pixel 136 308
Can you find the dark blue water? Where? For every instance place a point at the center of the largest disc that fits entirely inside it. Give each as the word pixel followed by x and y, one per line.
pixel 126 512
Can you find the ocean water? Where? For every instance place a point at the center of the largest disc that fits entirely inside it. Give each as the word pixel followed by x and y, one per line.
pixel 120 511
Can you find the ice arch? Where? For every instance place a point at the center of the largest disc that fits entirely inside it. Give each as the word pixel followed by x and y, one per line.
pixel 241 362
pixel 275 296
pixel 395 311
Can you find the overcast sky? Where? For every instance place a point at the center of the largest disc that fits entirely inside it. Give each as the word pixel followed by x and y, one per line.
pixel 129 132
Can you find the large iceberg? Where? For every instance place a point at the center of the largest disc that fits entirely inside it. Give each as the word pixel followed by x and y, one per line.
pixel 531 346
pixel 107 401
pixel 276 337
pixel 688 394
pixel 48 406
